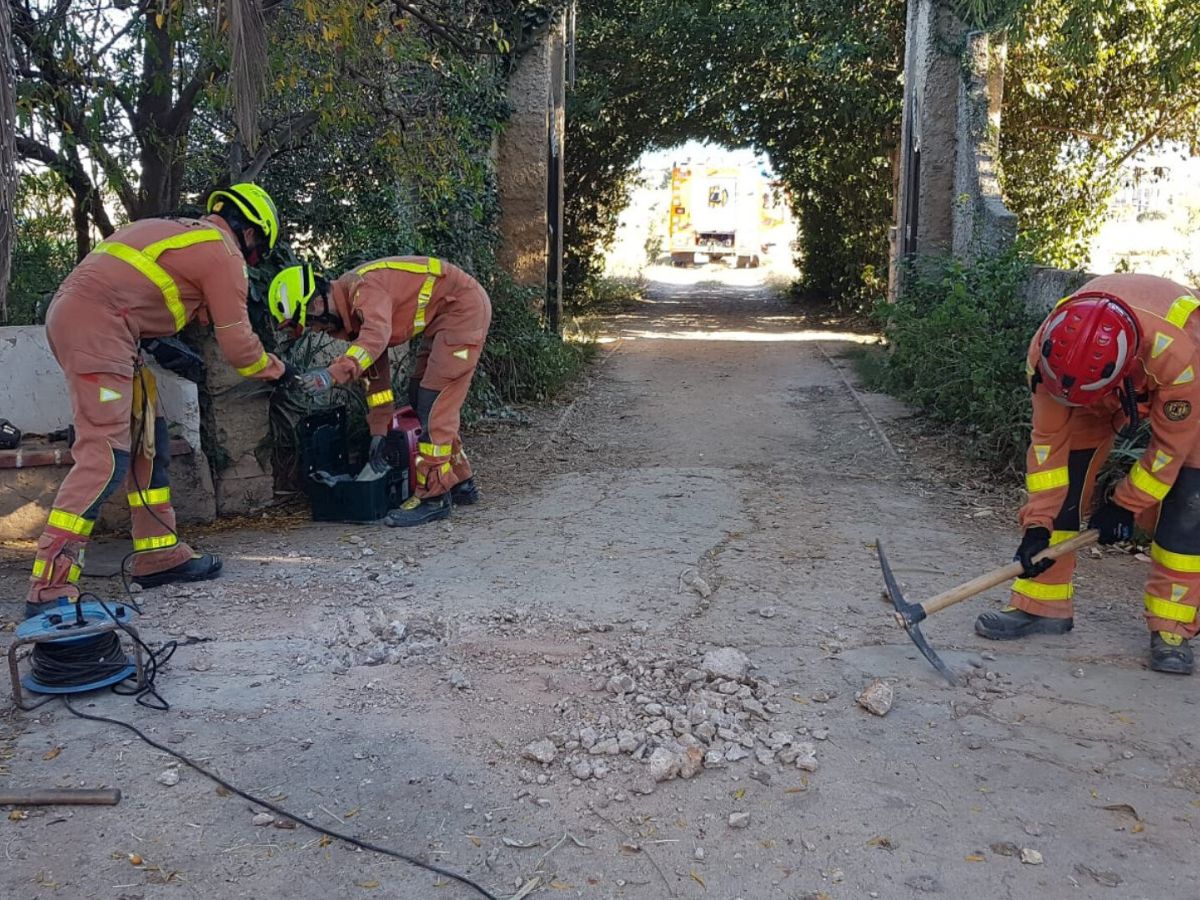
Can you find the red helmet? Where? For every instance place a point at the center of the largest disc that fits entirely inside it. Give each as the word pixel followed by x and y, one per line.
pixel 1088 345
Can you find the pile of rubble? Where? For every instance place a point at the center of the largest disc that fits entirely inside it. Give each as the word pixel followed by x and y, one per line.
pixel 376 639
pixel 676 718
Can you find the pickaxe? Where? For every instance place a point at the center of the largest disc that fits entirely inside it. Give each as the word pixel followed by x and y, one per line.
pixel 911 615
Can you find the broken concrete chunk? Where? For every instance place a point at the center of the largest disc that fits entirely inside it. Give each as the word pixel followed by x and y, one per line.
pixel 542 751
pixel 739 820
pixel 876 698
pixel 691 761
pixel 727 662
pixel 664 765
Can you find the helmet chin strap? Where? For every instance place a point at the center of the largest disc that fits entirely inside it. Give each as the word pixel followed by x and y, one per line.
pixel 1129 404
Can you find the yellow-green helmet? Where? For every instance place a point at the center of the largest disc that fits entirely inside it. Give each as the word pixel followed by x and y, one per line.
pixel 289 294
pixel 255 205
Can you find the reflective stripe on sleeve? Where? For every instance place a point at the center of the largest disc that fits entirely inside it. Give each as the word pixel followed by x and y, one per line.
pixel 380 398
pixel 1147 483
pixel 359 355
pixel 255 367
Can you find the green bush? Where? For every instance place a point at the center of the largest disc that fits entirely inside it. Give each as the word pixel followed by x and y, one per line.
pixel 957 339
pixel 522 362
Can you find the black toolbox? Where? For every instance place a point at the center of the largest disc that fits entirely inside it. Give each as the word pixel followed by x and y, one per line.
pixel 328 482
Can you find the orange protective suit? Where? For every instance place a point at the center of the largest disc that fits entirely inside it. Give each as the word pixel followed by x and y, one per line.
pixel 386 303
pixel 1069 444
pixel 148 280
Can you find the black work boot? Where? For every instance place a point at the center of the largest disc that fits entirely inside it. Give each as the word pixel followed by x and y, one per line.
pixel 61 605
pixel 201 567
pixel 1170 653
pixel 415 511
pixel 1010 624
pixel 465 493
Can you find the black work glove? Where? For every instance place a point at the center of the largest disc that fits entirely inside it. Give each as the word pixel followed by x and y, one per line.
pixel 289 377
pixel 1115 523
pixel 1034 542
pixel 414 385
pixel 379 465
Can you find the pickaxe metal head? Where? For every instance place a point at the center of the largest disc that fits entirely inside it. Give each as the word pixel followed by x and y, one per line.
pixel 910 616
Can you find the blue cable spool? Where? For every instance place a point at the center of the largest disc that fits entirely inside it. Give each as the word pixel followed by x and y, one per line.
pixel 59 626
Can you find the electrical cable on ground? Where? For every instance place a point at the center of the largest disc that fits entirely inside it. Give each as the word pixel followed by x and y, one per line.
pixel 91 659
pixel 278 810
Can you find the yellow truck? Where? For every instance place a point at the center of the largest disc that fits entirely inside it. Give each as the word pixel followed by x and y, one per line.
pixel 717 211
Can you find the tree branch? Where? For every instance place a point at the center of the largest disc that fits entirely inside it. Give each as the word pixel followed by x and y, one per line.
pixel 287 139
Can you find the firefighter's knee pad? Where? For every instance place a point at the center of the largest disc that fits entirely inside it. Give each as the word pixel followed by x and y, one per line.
pixel 119 470
pixel 425 400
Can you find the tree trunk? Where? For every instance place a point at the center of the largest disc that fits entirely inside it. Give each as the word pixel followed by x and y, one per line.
pixel 8 157
pixel 154 108
pixel 83 227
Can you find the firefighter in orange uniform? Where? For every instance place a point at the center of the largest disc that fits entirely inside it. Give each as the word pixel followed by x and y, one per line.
pixel 1123 347
pixel 147 280
pixel 385 304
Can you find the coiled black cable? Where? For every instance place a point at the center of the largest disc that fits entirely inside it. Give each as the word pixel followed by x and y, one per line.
pixel 85 660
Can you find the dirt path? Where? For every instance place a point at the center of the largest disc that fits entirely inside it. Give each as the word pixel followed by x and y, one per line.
pixel 716 484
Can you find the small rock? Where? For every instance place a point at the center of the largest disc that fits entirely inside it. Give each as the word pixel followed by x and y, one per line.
pixel 699 585
pixel 755 709
pixel 627 741
pixel 1031 857
pixel 739 820
pixel 974 742
pixel 876 698
pixel 620 684
pixel 821 697
pixel 1006 848
pixel 821 734
pixel 664 765
pixel 727 662
pixel 654 709
pixel 698 854
pixel 806 756
pixel 1078 673
pixel 714 759
pixel 582 770
pixel 1033 829
pixel 690 762
pixel 735 754
pixel 588 738
pixel 606 747
pixel 262 819
pixel 768 612
pixel 459 681
pixel 170 778
pixel 542 751
pixel 764 755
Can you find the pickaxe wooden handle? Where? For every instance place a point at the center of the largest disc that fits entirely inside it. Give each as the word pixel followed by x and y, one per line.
pixel 1004 573
pixel 62 797
pixel 909 616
